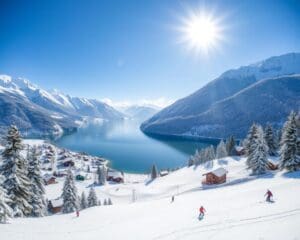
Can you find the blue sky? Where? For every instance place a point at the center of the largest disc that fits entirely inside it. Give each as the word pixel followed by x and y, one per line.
pixel 129 50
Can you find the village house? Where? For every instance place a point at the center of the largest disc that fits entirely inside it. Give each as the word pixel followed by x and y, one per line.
pixel 55 205
pixel 240 151
pixel 49 179
pixel 68 163
pixel 216 176
pixel 163 173
pixel 115 176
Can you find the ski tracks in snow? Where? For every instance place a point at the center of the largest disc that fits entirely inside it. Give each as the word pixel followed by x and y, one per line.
pixel 222 225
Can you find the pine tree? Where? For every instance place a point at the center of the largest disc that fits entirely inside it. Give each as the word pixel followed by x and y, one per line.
pixel 212 152
pixel 196 157
pixel 109 202
pixel 257 160
pixel 221 151
pixel 69 195
pixel 5 210
pixel 14 169
pixel 288 151
pixel 270 140
pixel 83 201
pixel 191 161
pixel 37 200
pixel 252 134
pixel 230 144
pixel 105 202
pixel 209 156
pixel 102 175
pixel 154 172
pixel 92 198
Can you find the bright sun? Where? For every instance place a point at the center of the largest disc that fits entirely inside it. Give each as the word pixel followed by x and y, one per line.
pixel 200 32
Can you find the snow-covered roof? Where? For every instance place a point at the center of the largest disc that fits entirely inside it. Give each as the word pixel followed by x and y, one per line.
pixel 57 202
pixel 239 148
pixel 164 172
pixel 219 172
pixel 48 176
pixel 115 174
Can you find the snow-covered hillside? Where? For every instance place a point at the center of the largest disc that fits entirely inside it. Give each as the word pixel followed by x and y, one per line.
pixel 193 114
pixel 235 209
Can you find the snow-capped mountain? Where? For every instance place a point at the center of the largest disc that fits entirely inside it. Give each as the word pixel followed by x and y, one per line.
pixel 206 112
pixel 38 111
pixel 140 112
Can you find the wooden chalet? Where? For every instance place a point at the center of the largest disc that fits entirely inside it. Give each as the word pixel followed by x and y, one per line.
pixel 49 179
pixel 239 150
pixel 163 173
pixel 115 176
pixel 216 176
pixel 55 205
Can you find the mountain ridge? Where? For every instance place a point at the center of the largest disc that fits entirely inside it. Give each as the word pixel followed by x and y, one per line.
pixel 60 112
pixel 228 84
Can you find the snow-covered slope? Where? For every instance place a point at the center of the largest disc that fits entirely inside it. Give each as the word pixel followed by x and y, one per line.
pixel 34 108
pixel 179 118
pixel 234 210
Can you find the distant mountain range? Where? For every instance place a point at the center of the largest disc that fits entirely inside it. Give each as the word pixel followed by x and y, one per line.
pixel 39 112
pixel 263 92
pixel 139 112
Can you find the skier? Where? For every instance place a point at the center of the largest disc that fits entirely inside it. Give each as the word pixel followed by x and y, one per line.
pixel 269 195
pixel 202 211
pixel 77 213
pixel 173 198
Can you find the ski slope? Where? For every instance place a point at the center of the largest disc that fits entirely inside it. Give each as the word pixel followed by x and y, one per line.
pixel 234 210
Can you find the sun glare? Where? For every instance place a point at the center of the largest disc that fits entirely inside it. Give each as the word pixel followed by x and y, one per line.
pixel 200 32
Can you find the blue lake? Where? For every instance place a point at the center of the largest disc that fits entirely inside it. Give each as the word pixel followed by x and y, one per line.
pixel 128 148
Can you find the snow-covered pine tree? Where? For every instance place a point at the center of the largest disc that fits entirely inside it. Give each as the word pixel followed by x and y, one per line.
pixel 105 202
pixel 288 150
pixel 270 140
pixel 14 169
pixel 230 144
pixel 154 172
pixel 258 159
pixel 37 200
pixel 196 157
pixel 212 153
pixel 5 210
pixel 92 198
pixel 83 201
pixel 109 202
pixel 69 194
pixel 252 134
pixel 203 156
pixel 191 161
pixel 221 151
pixel 102 174
pixel 209 156
pixel 99 202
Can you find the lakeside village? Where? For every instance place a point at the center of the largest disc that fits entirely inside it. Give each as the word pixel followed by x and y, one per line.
pixel 32 172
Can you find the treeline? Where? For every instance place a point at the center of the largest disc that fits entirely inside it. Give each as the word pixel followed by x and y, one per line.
pixel 258 145
pixel 73 202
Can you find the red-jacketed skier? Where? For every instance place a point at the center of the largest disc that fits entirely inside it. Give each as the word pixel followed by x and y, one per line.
pixel 269 195
pixel 201 212
pixel 77 213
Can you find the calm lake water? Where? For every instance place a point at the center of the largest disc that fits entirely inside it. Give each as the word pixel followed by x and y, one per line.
pixel 128 148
